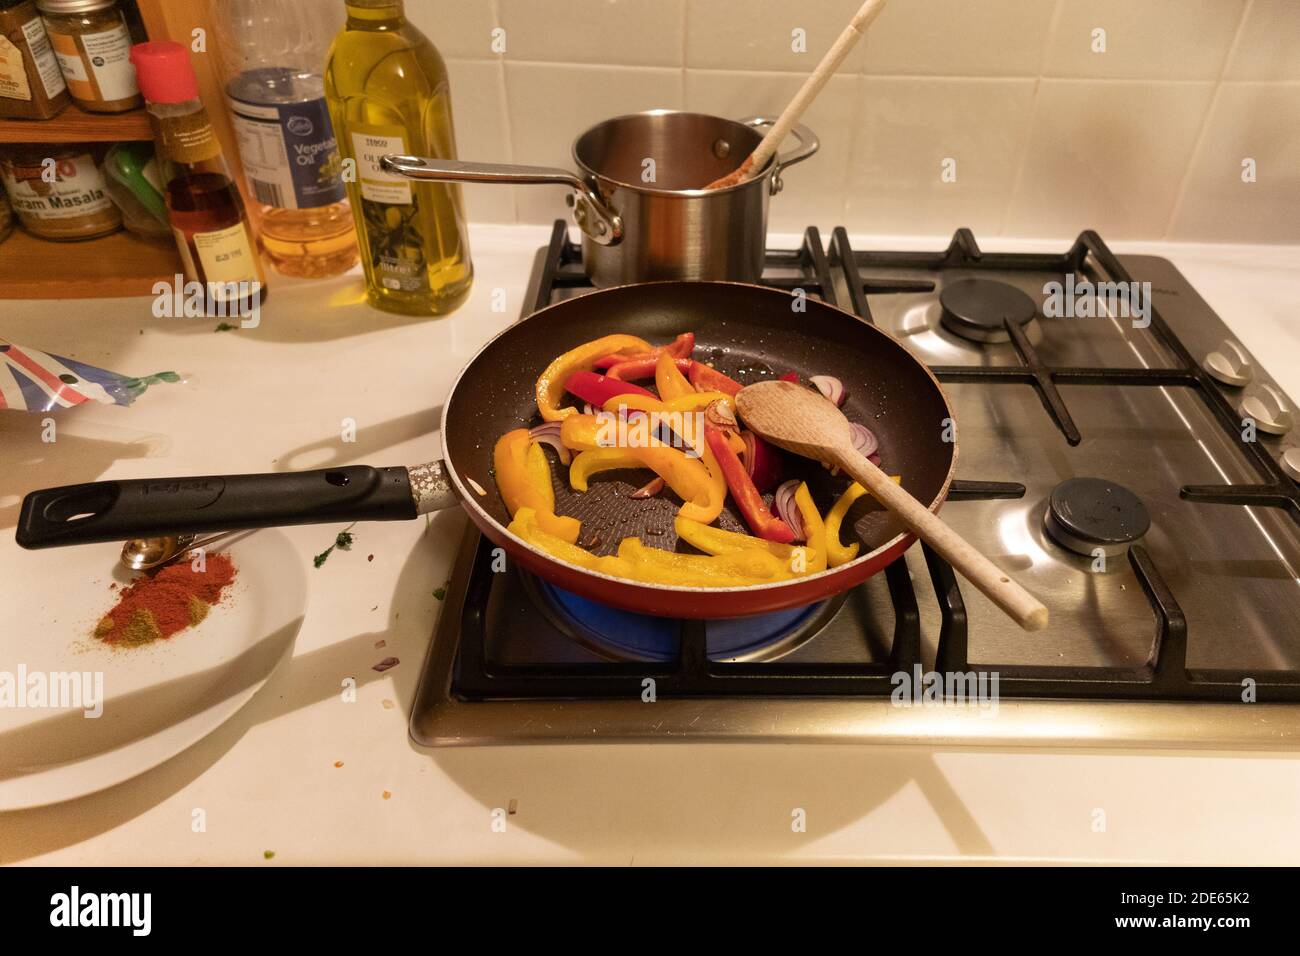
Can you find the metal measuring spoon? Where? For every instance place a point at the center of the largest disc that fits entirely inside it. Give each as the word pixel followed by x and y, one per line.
pixel 145 554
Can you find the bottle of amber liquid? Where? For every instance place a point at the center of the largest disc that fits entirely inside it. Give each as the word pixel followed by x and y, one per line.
pixel 207 215
pixel 388 93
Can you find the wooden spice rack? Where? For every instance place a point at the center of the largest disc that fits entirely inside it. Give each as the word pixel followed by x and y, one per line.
pixel 121 264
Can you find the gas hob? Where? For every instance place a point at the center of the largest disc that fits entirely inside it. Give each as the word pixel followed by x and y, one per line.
pixel 1119 453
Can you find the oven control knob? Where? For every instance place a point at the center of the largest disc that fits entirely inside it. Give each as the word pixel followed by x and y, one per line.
pixel 1230 364
pixel 1291 462
pixel 1269 410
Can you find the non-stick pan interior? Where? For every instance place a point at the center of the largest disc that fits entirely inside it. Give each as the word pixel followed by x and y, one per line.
pixel 747 331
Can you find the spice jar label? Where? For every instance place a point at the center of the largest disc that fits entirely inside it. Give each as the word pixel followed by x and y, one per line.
pixel 47 66
pixel 13 72
pixel 98 69
pixel 109 55
pixel 78 190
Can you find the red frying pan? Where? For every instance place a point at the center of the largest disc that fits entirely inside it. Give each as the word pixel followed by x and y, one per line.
pixel 748 331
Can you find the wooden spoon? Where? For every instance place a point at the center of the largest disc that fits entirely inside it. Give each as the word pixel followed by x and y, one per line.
pixel 804 422
pixel 767 148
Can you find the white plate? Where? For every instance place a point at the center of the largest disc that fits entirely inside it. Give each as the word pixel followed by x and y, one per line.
pixel 159 698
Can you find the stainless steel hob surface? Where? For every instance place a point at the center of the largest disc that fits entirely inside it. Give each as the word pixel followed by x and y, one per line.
pixel 1213 587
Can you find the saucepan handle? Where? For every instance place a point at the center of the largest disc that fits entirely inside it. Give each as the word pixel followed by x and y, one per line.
pixel 151 507
pixel 601 223
pixel 808 144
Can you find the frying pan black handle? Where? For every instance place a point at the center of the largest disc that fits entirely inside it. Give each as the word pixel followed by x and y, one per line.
pixel 150 507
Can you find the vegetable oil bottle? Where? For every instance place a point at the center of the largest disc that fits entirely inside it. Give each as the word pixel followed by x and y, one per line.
pixel 388 93
pixel 273 52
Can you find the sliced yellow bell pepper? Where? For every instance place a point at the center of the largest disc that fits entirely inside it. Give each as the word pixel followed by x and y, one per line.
pixel 837 553
pixel 524 477
pixel 712 504
pixel 814 530
pixel 525 525
pixel 698 570
pixel 669 378
pixel 589 463
pixel 583 432
pixel 550 385
pixel 694 402
pixel 713 540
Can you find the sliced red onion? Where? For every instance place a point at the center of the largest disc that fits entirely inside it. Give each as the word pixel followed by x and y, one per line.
pixel 787 510
pixel 830 386
pixel 721 415
pixel 874 459
pixel 864 439
pixel 549 434
pixel 649 489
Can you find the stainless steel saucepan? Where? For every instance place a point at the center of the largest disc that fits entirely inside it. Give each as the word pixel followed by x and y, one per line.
pixel 638 197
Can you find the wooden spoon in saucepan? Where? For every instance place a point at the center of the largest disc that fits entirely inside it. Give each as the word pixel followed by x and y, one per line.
pixel 804 422
pixel 770 143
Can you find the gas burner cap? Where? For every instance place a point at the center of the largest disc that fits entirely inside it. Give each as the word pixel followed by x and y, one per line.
pixel 1084 514
pixel 975 308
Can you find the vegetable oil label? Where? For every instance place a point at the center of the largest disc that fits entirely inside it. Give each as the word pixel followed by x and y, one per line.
pixel 106 65
pixel 391 211
pixel 78 189
pixel 290 154
pixel 47 66
pixel 225 256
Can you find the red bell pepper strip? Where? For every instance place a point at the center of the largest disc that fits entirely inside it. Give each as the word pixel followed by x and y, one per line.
pixel 761 521
pixel 680 347
pixel 705 378
pixel 598 389
pixel 790 377
pixel 639 367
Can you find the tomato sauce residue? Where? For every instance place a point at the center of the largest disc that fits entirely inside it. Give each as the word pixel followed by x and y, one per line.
pixel 166 602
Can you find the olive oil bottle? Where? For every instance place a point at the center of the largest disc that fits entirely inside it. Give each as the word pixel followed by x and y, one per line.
pixel 388 93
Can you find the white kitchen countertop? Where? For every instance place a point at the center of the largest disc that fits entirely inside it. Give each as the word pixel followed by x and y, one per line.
pixel 274 398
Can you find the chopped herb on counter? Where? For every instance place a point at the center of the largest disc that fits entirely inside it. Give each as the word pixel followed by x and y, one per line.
pixel 268 854
pixel 225 327
pixel 440 593
pixel 342 541
pixel 385 664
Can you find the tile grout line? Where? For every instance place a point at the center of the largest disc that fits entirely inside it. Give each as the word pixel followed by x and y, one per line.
pixel 1017 180
pixel 1203 131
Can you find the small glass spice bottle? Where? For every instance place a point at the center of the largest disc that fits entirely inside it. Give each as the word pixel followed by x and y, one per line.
pixel 208 219
pixel 93 45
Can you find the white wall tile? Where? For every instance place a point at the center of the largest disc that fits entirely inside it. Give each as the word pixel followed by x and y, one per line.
pixel 626 32
pixel 550 105
pixel 458 28
pixel 757 34
pixel 1145 39
pixel 1106 155
pixel 814 189
pixel 1259 121
pixel 1269 46
pixel 908 126
pixel 957 37
pixel 478 95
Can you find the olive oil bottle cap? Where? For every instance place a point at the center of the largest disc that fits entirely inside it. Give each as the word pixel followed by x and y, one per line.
pixel 164 73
